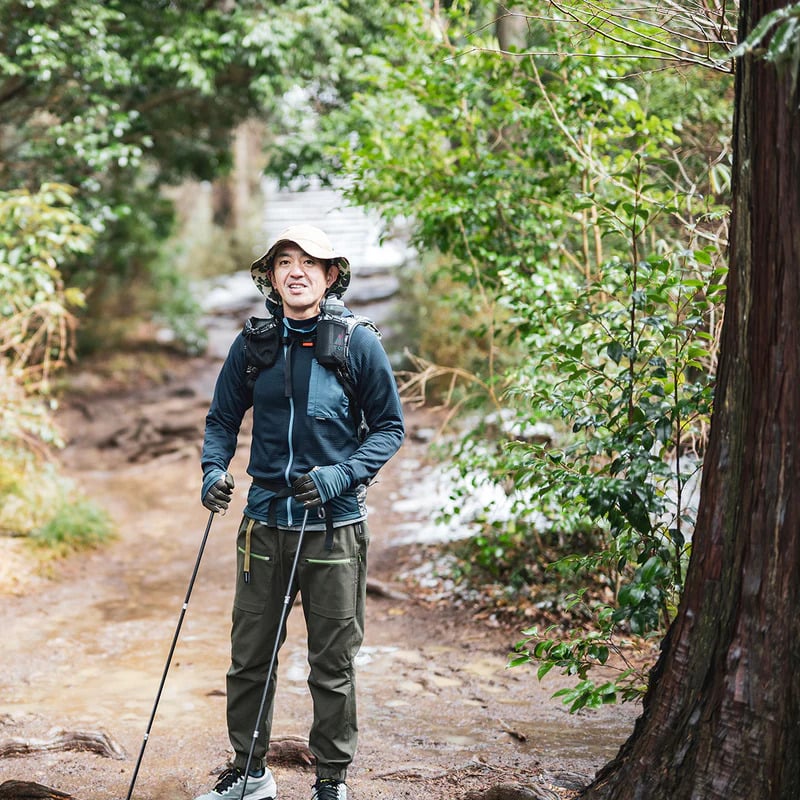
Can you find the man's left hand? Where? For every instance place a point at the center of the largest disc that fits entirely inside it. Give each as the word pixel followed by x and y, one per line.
pixel 321 485
pixel 305 491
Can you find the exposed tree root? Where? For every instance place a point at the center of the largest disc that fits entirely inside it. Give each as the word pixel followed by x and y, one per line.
pixel 289 750
pixel 380 589
pixel 27 790
pixel 512 791
pixel 57 739
pixel 500 791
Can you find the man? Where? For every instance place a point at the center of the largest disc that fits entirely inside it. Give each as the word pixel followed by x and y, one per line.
pixel 308 454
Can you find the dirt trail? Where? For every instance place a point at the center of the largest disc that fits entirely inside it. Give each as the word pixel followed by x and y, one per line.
pixel 84 648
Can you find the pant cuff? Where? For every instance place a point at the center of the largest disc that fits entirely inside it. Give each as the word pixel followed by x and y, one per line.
pixel 256 764
pixel 331 773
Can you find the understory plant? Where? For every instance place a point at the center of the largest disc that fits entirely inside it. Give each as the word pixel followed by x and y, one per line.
pixel 573 184
pixel 621 363
pixel 623 369
pixel 625 361
pixel 39 231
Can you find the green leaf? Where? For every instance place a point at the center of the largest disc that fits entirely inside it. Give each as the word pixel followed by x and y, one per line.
pixel 544 669
pixel 615 351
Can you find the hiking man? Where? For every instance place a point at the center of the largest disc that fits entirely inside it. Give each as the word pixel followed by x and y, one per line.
pixel 326 418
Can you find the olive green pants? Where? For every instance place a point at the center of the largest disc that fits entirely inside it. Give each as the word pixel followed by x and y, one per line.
pixel 332 586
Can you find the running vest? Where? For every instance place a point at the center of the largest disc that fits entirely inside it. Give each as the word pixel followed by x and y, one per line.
pixel 263 337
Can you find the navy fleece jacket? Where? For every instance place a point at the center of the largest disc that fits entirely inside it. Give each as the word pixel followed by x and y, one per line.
pixel 305 422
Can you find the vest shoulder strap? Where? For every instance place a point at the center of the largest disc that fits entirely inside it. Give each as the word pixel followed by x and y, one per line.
pixel 262 336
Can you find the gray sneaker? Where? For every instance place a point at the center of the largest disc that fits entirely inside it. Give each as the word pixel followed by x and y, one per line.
pixel 328 789
pixel 229 787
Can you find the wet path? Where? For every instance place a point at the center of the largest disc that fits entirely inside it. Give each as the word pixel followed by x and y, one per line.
pixel 85 651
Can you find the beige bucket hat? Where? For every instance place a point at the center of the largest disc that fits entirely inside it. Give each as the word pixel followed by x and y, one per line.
pixel 313 241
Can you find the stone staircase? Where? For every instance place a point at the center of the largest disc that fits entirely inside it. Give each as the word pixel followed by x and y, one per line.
pixel 376 264
pixel 356 233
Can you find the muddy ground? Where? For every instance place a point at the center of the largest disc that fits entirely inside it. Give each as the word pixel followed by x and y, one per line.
pixel 85 642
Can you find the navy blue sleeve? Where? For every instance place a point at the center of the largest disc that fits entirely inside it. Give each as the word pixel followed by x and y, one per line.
pixel 231 400
pixel 376 391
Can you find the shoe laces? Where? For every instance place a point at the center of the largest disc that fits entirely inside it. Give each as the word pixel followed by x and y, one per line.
pixel 327 789
pixel 227 779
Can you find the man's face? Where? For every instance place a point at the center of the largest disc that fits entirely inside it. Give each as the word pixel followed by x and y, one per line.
pixel 301 280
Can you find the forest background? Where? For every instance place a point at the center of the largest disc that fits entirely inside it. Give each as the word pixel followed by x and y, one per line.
pixel 563 172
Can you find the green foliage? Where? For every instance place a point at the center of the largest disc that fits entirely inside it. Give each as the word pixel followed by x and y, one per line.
pixel 501 554
pixel 129 82
pixel 37 502
pixel 627 362
pixel 576 656
pixel 782 28
pixel 181 313
pixel 579 200
pixel 678 35
pixel 76 525
pixel 120 99
pixel 40 232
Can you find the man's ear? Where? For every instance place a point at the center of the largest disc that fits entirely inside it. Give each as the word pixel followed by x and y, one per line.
pixel 333 274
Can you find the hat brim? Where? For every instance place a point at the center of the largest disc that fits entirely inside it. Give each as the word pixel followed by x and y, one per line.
pixel 260 269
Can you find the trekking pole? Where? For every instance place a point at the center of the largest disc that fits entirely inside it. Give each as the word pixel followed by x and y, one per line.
pixel 169 657
pixel 284 610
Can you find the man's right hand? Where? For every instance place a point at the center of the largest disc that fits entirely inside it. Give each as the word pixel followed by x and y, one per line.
pixel 218 497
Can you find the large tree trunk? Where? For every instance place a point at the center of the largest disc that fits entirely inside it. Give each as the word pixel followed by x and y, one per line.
pixel 721 717
pixel 511 28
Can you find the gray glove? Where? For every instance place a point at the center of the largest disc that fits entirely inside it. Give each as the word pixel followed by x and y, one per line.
pixel 218 497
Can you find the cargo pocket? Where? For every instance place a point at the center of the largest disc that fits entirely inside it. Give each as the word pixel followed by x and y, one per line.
pixel 335 582
pixel 254 566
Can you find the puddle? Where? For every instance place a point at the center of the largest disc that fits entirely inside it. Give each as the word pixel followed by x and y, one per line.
pixel 574 740
pixel 468 704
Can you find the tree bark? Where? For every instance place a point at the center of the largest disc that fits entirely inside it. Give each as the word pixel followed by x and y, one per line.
pixel 720 717
pixel 511 27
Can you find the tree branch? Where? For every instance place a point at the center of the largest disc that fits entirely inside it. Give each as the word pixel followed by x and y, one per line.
pixel 12 87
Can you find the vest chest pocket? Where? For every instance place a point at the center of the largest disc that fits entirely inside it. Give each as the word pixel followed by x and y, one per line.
pixel 326 397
